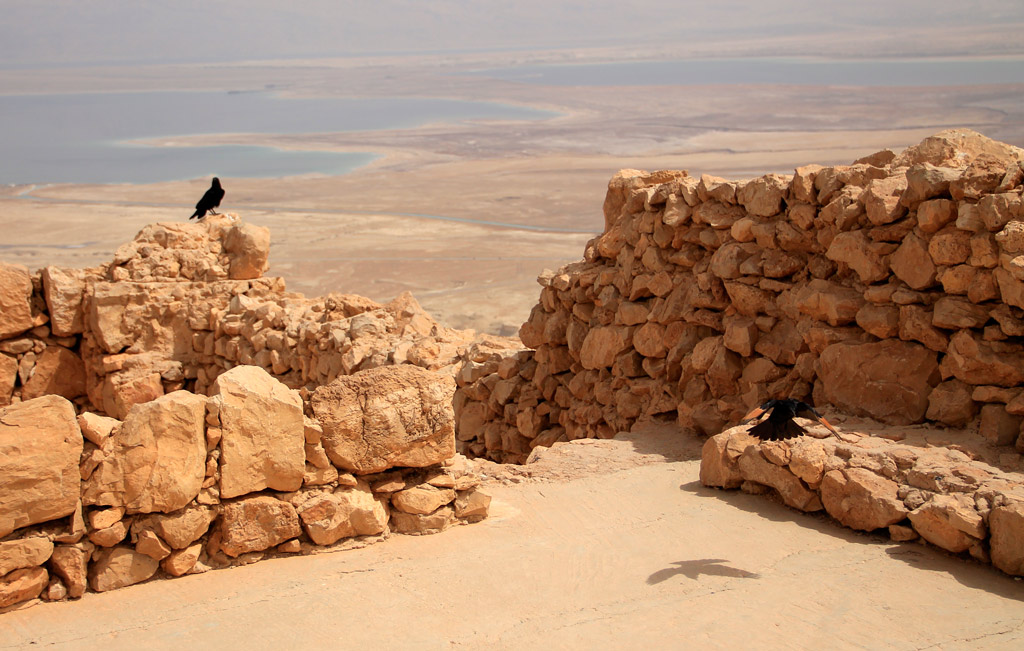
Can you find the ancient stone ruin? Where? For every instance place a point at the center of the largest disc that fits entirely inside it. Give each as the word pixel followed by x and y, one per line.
pixel 174 410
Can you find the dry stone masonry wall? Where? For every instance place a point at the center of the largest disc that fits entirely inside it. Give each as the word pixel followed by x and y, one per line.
pixel 891 288
pixel 174 411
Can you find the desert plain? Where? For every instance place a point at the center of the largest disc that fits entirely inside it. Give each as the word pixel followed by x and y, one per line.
pixel 600 544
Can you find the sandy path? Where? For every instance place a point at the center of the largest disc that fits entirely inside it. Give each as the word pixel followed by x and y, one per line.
pixel 616 547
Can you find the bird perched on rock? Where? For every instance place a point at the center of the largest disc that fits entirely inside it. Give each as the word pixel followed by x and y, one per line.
pixel 779 425
pixel 211 199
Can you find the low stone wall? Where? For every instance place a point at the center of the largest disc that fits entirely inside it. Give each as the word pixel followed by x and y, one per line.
pixel 890 288
pixel 937 494
pixel 186 482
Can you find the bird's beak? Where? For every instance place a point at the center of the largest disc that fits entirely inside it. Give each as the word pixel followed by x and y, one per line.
pixel 827 424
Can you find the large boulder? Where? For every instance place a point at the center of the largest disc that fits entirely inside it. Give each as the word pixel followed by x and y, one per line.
pixel 157 459
pixel 263 440
pixel 41 446
pixel 385 417
pixel 886 380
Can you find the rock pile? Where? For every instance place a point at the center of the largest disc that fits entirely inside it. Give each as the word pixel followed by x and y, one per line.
pixel 937 494
pixel 891 288
pixel 173 411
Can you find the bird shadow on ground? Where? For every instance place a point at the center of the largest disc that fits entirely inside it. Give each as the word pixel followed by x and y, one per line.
pixel 693 569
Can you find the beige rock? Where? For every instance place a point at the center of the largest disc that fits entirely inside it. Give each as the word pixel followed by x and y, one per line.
pixel 256 523
pixel 472 505
pixel 180 561
pixel 8 376
pixel 913 264
pixel 997 426
pixel 109 536
pixel 807 459
pixel 71 564
pixel 24 552
pixel 1007 540
pixel 118 567
pixel 263 434
pixel 386 417
pixel 980 362
pixel 916 325
pixel 151 545
pixel 15 297
pixel 411 523
pixel 883 321
pixel 982 176
pixel 933 215
pixel 328 518
pixel 869 259
pixel 860 499
pixel 96 428
pixel 950 246
pixel 763 196
pixel 952 403
pixel 717 469
pixel 422 499
pixel 603 344
pixel 948 521
pixel 925 181
pixel 41 446
pixel 888 380
pixel 881 199
pixel 248 246
pixel 157 459
pixel 63 290
pixel 22 585
pixel 754 467
pixel 180 528
pixel 58 371
pixel 826 301
pixel 955 313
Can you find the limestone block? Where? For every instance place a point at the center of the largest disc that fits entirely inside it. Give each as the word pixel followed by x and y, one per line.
pixel 422 499
pixel 71 564
pixel 256 523
pixel 472 505
pixel 263 433
pixel 925 181
pixel 180 561
pixel 717 469
pixel 868 258
pixel 603 344
pixel 96 428
pixel 949 521
pixel 881 199
pixel 386 417
pixel 981 362
pixel 860 499
pixel 15 300
pixel 328 518
pixel 1007 540
pixel 997 426
pixel 953 313
pixel 157 459
pixel 950 246
pixel 887 380
pixel 415 524
pixel 25 552
pixel 933 215
pixel 8 376
pixel 41 446
pixel 913 264
pixel 754 467
pixel 951 403
pixel 118 567
pixel 58 371
pixel 763 196
pixel 63 289
pixel 22 585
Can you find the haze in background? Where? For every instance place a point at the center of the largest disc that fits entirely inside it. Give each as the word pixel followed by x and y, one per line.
pixel 77 32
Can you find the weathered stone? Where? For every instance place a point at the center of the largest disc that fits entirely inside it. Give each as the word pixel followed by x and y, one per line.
pixel 157 459
pixel 882 321
pixel 933 215
pixel 981 362
pixel 180 561
pixel 888 380
pixel 26 552
pixel 603 344
pixel 860 499
pixel 717 469
pixel 63 289
pixel 8 376
pixel 416 524
pixel 22 585
pixel 1007 540
pixel 151 545
pixel 946 521
pixel 263 436
pixel 981 177
pixel 15 300
pixel 109 536
pixel 386 417
pixel 649 340
pixel 96 428
pixel 71 564
pixel 913 264
pixel 256 523
pixel 422 499
pixel 916 325
pixel 925 181
pixel 754 467
pixel 248 246
pixel 955 313
pixel 950 246
pixel 881 199
pixel 181 528
pixel 869 259
pixel 118 567
pixel 57 371
pixel 763 196
pixel 41 446
pixel 807 460
pixel 472 505
pixel 997 426
pixel 951 403
pixel 826 301
pixel 347 512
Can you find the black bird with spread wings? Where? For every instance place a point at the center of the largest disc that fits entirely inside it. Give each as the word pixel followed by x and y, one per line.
pixel 779 425
pixel 210 200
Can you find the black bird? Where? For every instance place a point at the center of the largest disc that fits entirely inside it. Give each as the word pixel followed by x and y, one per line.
pixel 780 425
pixel 210 200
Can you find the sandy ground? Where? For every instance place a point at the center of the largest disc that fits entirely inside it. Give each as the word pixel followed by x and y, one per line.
pixel 600 544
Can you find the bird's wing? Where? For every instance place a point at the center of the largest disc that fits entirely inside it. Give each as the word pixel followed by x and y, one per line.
pixel 756 412
pixel 811 413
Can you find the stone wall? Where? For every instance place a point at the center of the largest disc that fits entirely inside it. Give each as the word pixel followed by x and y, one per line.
pixel 890 288
pixel 174 411
pixel 939 495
